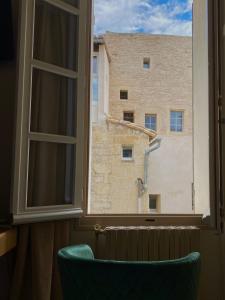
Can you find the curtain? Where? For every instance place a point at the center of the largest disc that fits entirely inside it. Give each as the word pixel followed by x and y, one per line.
pixel 36 274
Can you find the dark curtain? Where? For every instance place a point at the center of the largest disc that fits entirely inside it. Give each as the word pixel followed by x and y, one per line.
pixel 36 274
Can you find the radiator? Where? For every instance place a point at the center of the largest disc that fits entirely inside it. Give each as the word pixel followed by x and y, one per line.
pixel 146 242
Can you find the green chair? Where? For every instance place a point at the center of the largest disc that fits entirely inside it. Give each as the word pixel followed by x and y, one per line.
pixel 84 277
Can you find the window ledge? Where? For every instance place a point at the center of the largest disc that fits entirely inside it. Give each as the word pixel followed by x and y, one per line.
pixel 88 222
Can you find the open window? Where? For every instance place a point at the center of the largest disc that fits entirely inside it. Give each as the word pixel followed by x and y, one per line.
pixel 56 174
pixel 174 162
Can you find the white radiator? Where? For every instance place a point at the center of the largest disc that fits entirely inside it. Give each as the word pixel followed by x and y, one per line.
pixel 146 242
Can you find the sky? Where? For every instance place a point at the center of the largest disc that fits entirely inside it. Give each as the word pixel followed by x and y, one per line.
pixel 173 17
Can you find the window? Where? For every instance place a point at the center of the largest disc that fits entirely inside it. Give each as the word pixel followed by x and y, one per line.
pixel 146 63
pixel 150 121
pixel 176 121
pixel 124 95
pixel 50 115
pixel 169 92
pixel 95 89
pixel 95 64
pixel 62 141
pixel 95 80
pixel 154 203
pixel 127 153
pixel 128 116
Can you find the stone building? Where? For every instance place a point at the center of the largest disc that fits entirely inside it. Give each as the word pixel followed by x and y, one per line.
pixel 141 149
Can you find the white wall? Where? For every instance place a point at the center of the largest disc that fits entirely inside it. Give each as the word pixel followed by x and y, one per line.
pixel 171 174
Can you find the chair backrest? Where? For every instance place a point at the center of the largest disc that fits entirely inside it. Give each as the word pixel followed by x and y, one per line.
pixel 84 277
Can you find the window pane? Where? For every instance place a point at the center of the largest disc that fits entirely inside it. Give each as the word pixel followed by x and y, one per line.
pixel 55 36
pixel 53 106
pixel 124 95
pixel 95 64
pixel 128 116
pixel 127 152
pixel 146 63
pixel 51 174
pixel 176 121
pixel 95 89
pixel 150 122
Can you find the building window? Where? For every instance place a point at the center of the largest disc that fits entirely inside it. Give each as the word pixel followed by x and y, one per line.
pixel 128 116
pixel 124 95
pixel 154 203
pixel 146 63
pixel 95 89
pixel 95 64
pixel 176 121
pixel 150 121
pixel 95 78
pixel 127 152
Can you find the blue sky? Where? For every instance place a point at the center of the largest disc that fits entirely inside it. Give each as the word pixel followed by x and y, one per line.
pixel 172 17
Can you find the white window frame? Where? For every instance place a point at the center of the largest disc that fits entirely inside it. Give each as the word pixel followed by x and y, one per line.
pixel 21 212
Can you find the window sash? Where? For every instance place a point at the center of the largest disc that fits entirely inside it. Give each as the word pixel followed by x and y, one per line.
pixel 176 121
pixel 22 213
pixel 150 121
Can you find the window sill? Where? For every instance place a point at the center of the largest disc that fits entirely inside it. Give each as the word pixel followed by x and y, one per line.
pixel 88 222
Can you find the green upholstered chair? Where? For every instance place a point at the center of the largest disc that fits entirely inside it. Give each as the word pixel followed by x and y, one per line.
pixel 84 277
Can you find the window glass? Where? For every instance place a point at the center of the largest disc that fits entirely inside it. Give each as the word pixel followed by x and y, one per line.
pixel 95 89
pixel 150 122
pixel 176 121
pixel 153 202
pixel 128 116
pixel 51 174
pixel 127 152
pixel 123 95
pixel 95 64
pixel 53 105
pixel 146 63
pixel 58 31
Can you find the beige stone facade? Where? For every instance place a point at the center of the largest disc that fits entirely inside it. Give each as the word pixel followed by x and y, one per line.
pixel 164 87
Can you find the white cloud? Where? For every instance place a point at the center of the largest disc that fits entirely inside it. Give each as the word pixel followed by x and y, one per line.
pixel 143 16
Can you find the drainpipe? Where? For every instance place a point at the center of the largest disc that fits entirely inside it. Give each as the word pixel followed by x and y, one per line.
pixel 154 145
pixel 142 186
